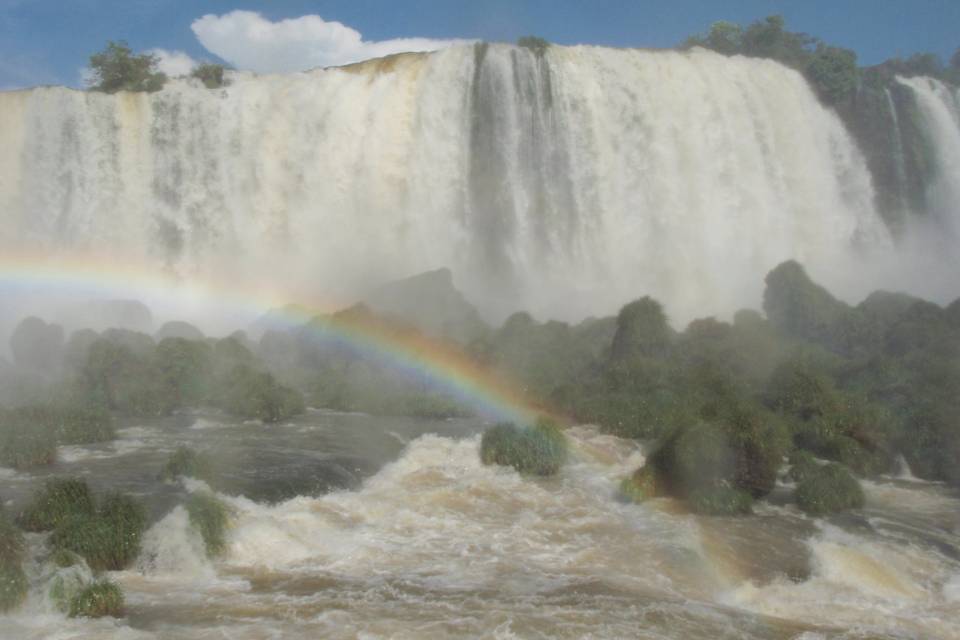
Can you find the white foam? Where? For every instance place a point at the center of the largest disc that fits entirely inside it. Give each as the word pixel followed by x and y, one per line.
pixel 173 549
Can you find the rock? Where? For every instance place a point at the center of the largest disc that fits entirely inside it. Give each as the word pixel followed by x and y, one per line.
pixel 179 329
pixel 431 303
pixel 37 345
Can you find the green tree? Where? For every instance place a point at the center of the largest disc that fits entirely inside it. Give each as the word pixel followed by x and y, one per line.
pixel 642 331
pixel 725 37
pixel 833 73
pixel 953 71
pixel 116 68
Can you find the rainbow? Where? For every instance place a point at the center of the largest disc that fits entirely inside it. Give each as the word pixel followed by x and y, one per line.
pixel 442 363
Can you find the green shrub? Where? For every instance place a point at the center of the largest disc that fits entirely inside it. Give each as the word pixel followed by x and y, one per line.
pixel 64 558
pixel 29 435
pixel 83 425
pixel 30 446
pixel 539 450
pixel 117 68
pixel 210 74
pixel 720 501
pixel 108 540
pixel 801 387
pixel 759 441
pixel 185 462
pixel 57 501
pixel 802 465
pixel 184 369
pixel 210 516
pixel 102 598
pixel 853 433
pixel 13 580
pixel 829 489
pixel 13 586
pixel 120 376
pixel 248 393
pixel 642 332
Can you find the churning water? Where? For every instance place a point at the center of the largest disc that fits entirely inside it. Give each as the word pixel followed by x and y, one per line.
pixel 434 544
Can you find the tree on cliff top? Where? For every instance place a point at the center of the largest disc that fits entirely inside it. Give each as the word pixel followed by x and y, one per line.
pixel 116 68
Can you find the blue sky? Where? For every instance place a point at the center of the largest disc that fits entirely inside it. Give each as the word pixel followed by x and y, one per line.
pixel 48 41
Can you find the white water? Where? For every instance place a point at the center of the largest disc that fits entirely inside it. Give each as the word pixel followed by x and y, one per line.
pixel 437 545
pixel 565 185
pixel 940 108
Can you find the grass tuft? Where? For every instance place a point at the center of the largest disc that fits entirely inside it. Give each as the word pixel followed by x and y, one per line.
pixel 539 450
pixel 58 500
pixel 100 599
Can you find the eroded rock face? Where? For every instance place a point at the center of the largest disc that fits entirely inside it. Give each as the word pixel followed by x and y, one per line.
pixel 36 344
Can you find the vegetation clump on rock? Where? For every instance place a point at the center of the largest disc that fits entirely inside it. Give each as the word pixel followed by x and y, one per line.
pixel 109 539
pixel 538 450
pixel 210 516
pixel 187 463
pixel 117 68
pixel 210 74
pixel 829 489
pixel 13 580
pixel 100 599
pixel 59 500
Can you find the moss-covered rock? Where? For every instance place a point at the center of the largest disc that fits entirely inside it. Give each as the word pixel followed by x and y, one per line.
pixel 210 516
pixel 187 463
pixel 539 450
pixel 720 501
pixel 696 456
pixel 59 499
pixel 642 485
pixel 66 585
pixel 108 540
pixel 829 489
pixel 100 599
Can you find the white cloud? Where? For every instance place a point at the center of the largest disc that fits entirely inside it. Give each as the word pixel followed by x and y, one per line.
pixel 173 63
pixel 249 41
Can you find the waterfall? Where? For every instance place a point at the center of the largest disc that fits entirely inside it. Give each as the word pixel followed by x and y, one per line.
pixel 940 109
pixel 566 182
pixel 899 165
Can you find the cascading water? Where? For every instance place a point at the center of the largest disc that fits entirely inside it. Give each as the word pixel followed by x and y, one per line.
pixel 939 106
pixel 899 164
pixel 565 182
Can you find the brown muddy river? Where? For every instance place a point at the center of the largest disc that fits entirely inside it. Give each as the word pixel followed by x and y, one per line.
pixel 352 526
